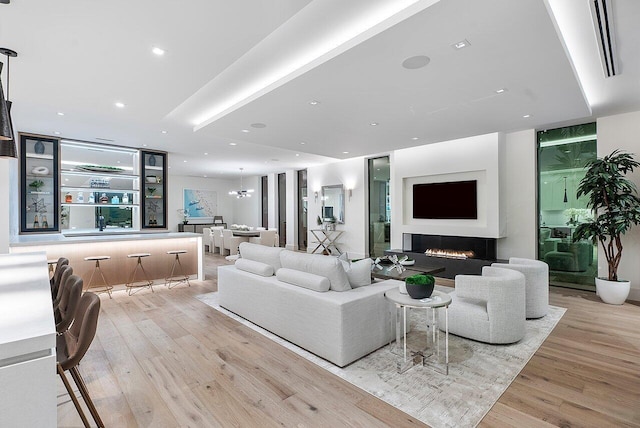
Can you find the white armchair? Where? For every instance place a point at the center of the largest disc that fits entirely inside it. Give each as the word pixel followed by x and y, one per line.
pixel 536 274
pixel 216 236
pixel 488 308
pixel 267 237
pixel 230 242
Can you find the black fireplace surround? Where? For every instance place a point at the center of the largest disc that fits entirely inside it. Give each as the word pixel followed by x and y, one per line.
pixel 415 245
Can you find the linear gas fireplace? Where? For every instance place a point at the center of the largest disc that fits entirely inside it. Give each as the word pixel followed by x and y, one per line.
pixel 457 254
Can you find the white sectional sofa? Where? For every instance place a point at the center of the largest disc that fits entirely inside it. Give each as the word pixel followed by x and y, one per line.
pixel 295 295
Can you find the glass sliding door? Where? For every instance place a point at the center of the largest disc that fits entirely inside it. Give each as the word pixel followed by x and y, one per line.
pixel 562 156
pixel 379 206
pixel 264 183
pixel 302 210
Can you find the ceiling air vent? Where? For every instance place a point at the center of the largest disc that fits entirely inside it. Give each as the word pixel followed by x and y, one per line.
pixel 602 15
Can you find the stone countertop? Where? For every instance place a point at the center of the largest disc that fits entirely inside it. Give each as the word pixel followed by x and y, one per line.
pixel 60 239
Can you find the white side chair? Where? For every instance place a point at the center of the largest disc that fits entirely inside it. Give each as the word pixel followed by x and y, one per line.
pixel 267 237
pixel 488 308
pixel 216 236
pixel 536 274
pixel 207 240
pixel 231 242
pixel 276 239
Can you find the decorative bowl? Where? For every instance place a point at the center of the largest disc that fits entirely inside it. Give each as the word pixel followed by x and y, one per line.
pixel 420 286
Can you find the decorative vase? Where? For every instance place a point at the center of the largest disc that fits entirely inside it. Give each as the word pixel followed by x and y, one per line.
pixel 613 292
pixel 152 160
pixel 39 148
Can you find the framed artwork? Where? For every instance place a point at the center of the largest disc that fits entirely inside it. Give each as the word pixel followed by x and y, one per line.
pixel 200 203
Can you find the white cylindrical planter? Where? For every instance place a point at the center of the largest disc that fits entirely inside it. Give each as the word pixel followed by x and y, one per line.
pixel 613 292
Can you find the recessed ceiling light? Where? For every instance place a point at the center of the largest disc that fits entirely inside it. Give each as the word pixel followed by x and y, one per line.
pixel 117 161
pixel 258 125
pixel 184 161
pixel 415 138
pixel 314 102
pixel 164 132
pixel 144 145
pixel 346 153
pixel 57 132
pixel 461 44
pixel 374 124
pixel 303 143
pixel 377 169
pixel 204 176
pixel 169 167
pixel 297 154
pixel 245 130
pixel 205 153
pixel 526 116
pixel 60 113
pixel 501 90
pixel 233 144
pixel 119 104
pixel 158 51
pixel 416 62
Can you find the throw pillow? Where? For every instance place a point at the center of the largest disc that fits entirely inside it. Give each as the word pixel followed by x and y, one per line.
pixel 304 279
pixel 358 273
pixel 252 266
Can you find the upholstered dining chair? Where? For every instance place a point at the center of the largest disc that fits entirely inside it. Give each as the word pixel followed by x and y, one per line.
pixel 67 271
pixel 71 347
pixel 488 308
pixel 267 237
pixel 216 236
pixel 231 242
pixel 55 280
pixel 65 312
pixel 207 240
pixel 536 278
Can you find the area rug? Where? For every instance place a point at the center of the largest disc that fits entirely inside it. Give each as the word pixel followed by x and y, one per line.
pixel 478 373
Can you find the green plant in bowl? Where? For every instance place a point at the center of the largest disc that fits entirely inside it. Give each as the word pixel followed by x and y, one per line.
pixel 420 286
pixel 36 185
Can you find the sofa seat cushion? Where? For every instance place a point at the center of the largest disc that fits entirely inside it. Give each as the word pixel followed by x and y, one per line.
pixel 252 266
pixel 262 254
pixel 329 267
pixel 358 273
pixel 304 279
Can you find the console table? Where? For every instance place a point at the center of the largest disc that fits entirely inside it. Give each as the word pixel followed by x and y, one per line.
pixel 197 227
pixel 326 239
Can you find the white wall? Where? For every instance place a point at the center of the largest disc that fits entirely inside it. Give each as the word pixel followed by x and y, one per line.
pixel 473 158
pixel 352 174
pixel 519 186
pixel 621 132
pixel 246 210
pixel 176 185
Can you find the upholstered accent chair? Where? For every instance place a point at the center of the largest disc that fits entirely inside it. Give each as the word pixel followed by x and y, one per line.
pixel 488 308
pixel 267 237
pixel 536 278
pixel 570 257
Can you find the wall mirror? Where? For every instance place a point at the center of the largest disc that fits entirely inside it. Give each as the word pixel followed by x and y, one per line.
pixel 333 203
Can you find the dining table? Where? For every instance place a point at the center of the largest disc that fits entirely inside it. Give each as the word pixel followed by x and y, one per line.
pixel 245 233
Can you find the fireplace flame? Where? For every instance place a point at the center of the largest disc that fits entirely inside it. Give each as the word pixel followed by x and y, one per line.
pixel 449 254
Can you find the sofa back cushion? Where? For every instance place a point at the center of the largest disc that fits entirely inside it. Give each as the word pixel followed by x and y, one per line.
pixel 329 267
pixel 262 254
pixel 304 279
pixel 252 266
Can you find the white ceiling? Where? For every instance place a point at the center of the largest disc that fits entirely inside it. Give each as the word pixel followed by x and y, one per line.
pixel 80 57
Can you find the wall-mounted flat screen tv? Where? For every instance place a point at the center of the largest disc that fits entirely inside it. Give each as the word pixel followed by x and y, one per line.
pixel 456 200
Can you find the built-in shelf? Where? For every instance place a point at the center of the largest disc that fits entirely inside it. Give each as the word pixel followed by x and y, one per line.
pixel 153 168
pixel 99 174
pixel 38 156
pixel 39 193
pixel 97 189
pixel 83 204
pixel 153 197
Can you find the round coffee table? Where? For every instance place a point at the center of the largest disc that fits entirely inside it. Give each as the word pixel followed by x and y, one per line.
pixel 403 301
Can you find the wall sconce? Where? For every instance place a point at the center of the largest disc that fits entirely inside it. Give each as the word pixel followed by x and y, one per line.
pixel 315 194
pixel 350 193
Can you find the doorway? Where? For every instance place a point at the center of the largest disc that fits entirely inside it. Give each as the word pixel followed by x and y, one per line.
pixel 379 206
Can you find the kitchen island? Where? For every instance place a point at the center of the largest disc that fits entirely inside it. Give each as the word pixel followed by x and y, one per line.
pixel 118 269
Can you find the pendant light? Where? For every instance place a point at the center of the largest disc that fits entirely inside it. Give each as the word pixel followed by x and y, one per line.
pixel 565 190
pixel 7 135
pixel 241 193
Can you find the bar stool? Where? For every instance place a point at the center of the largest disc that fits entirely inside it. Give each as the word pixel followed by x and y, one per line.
pixel 142 283
pixel 106 287
pixel 177 279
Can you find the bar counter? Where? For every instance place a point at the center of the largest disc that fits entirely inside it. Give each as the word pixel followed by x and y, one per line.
pixel 118 269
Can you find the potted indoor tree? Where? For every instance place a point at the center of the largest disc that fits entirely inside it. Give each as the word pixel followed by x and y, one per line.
pixel 616 206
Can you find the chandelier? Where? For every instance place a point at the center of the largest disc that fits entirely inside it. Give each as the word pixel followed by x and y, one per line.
pixel 242 193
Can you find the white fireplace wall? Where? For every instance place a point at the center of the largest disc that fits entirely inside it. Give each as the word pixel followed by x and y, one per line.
pixel 476 158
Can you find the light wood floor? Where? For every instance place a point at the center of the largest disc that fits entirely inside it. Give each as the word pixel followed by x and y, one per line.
pixel 166 359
